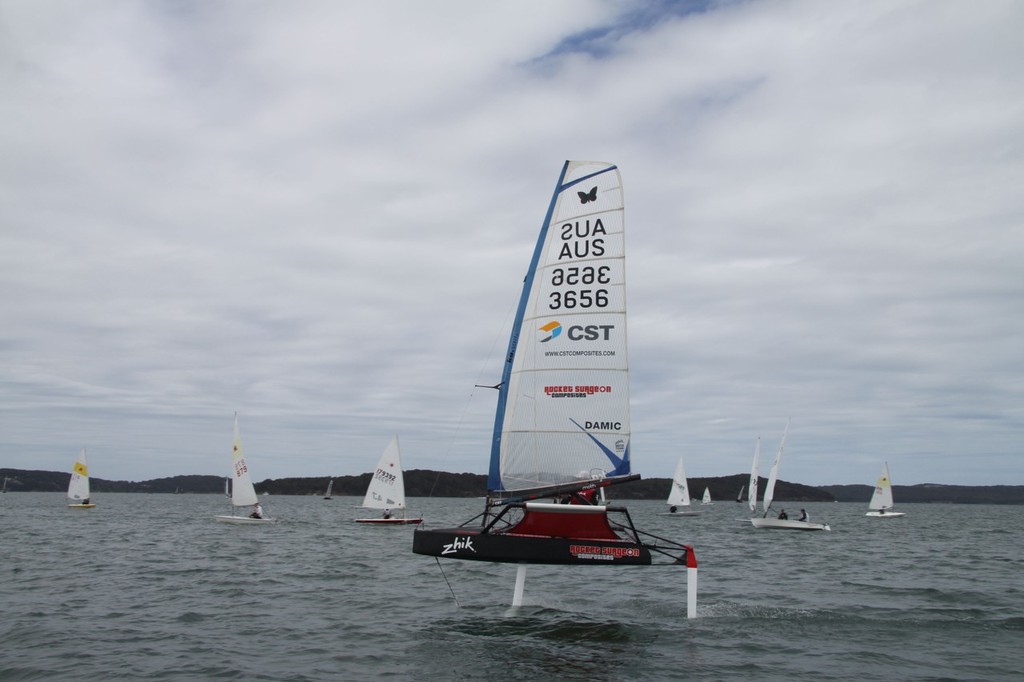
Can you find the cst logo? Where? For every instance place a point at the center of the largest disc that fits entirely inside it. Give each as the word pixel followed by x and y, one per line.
pixel 552 329
pixel 578 332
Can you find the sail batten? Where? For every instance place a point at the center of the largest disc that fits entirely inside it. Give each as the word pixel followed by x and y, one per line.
pixel 563 406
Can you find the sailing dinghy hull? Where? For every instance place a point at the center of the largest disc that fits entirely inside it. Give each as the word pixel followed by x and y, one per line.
pixel 788 524
pixel 547 533
pixel 475 545
pixel 81 506
pixel 884 514
pixel 243 520
pixel 391 522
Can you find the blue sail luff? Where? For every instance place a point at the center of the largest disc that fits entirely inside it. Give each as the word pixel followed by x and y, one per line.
pixel 494 482
pixel 494 474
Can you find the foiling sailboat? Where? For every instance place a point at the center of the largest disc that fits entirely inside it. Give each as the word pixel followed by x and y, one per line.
pixel 243 493
pixel 679 494
pixel 386 492
pixel 562 423
pixel 78 486
pixel 769 494
pixel 881 504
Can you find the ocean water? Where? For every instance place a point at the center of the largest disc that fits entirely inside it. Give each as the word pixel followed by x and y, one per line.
pixel 151 587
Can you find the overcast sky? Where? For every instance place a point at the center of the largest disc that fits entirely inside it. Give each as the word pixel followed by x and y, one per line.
pixel 319 214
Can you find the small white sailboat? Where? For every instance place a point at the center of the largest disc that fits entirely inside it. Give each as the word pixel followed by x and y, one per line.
pixel 739 495
pixel 782 522
pixel 386 491
pixel 707 497
pixel 6 478
pixel 330 486
pixel 679 494
pixel 78 487
pixel 243 493
pixel 881 504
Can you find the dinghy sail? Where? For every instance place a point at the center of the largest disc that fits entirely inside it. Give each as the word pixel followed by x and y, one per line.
pixel 881 504
pixel 386 492
pixel 243 492
pixel 679 494
pixel 562 423
pixel 78 486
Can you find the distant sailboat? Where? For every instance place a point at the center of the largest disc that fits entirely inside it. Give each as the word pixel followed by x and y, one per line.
pixel 330 486
pixel 881 505
pixel 78 487
pixel 707 497
pixel 243 493
pixel 5 484
pixel 769 493
pixel 739 495
pixel 679 494
pixel 386 491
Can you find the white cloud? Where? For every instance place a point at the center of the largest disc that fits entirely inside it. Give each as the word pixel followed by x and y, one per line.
pixel 319 214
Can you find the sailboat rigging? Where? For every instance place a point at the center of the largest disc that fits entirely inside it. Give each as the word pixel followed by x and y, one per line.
pixel 562 421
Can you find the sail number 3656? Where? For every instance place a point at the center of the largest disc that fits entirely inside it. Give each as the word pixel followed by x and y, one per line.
pixel 583 298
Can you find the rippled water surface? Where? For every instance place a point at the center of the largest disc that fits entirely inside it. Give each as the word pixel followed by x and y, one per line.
pixel 151 587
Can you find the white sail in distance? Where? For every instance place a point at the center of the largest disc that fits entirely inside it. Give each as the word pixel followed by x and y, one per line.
pixel 387 485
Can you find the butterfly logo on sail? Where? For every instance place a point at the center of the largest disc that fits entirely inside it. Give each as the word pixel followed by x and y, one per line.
pixel 586 197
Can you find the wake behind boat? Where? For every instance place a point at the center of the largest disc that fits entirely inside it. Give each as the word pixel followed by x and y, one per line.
pixel 386 492
pixel 781 521
pixel 243 493
pixel 562 422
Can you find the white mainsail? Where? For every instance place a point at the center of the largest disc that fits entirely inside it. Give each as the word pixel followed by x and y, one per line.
pixel 755 475
pixel 243 493
pixel 78 487
pixel 679 494
pixel 563 411
pixel 707 496
pixel 387 486
pixel 882 500
pixel 769 490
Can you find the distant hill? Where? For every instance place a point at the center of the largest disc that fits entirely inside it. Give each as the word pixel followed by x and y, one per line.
pixel 934 492
pixel 427 483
